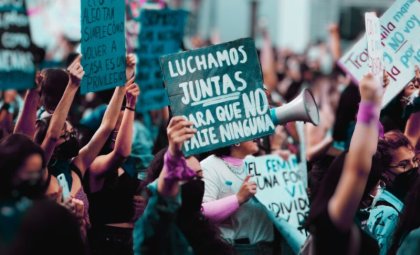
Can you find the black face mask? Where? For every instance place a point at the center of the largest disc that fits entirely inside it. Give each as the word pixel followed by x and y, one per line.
pixel 192 194
pixel 32 188
pixel 403 183
pixel 67 150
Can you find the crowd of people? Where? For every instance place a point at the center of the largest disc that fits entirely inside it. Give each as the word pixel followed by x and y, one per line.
pixel 130 190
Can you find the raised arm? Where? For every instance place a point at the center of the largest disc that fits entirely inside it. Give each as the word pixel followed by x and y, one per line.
pixel 27 119
pixel 179 130
pixel 345 201
pixel 91 150
pixel 335 45
pixel 60 114
pixel 123 142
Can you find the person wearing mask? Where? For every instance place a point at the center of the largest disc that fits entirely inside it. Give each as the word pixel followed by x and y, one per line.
pixel 332 214
pixel 399 175
pixel 29 223
pixel 113 194
pixel 173 222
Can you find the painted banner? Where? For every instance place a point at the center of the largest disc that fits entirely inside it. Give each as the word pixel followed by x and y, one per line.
pixel 103 45
pixel 400 29
pixel 17 68
pixel 280 188
pixel 219 89
pixel 161 33
pixel 376 54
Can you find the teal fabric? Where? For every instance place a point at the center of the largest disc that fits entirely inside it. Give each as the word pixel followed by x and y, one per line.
pixel 383 219
pixel 410 244
pixel 93 119
pixel 142 145
pixel 11 214
pixel 156 231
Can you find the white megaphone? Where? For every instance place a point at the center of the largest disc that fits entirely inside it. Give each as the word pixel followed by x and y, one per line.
pixel 302 108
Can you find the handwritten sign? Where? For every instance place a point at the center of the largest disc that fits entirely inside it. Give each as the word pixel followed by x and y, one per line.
pixel 103 44
pixel 161 33
pixel 400 29
pixel 373 38
pixel 17 69
pixel 280 188
pixel 219 89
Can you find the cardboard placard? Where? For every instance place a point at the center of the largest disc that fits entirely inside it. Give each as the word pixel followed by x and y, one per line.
pixel 17 68
pixel 400 29
pixel 373 38
pixel 103 44
pixel 280 188
pixel 161 33
pixel 219 89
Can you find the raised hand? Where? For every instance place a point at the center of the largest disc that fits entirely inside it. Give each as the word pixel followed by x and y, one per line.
pixel 76 72
pixel 179 130
pixel 247 190
pixel 370 90
pixel 131 94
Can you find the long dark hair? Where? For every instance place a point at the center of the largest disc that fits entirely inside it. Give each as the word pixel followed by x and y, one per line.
pixel 53 86
pixel 409 219
pixel 202 235
pixel 330 181
pixel 14 150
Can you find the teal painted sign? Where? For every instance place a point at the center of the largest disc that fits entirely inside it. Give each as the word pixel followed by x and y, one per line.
pixel 103 44
pixel 280 188
pixel 161 33
pixel 17 68
pixel 219 89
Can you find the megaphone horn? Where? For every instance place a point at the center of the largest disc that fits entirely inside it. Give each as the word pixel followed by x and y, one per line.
pixel 302 108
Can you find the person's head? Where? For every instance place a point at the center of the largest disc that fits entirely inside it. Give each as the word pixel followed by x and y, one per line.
pixel 21 167
pixel 67 145
pixel 54 84
pixel 398 155
pixel 239 150
pixel 409 219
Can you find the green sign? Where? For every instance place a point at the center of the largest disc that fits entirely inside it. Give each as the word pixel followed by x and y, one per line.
pixel 161 33
pixel 17 69
pixel 103 44
pixel 219 89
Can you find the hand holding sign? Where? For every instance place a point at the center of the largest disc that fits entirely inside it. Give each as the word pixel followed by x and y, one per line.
pixel 247 190
pixel 132 92
pixel 76 72
pixel 130 65
pixel 369 89
pixel 179 130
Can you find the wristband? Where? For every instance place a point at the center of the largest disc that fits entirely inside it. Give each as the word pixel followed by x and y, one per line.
pixel 367 112
pixel 130 109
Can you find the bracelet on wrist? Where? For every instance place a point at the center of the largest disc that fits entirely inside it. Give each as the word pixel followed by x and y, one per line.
pixel 130 108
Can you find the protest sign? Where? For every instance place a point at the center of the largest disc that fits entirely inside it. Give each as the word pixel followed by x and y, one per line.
pixel 373 38
pixel 161 33
pixel 103 45
pixel 17 69
pixel 219 89
pixel 400 27
pixel 280 188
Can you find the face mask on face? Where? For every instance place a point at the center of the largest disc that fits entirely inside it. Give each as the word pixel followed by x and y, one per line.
pixel 192 194
pixel 69 149
pixel 32 188
pixel 403 183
